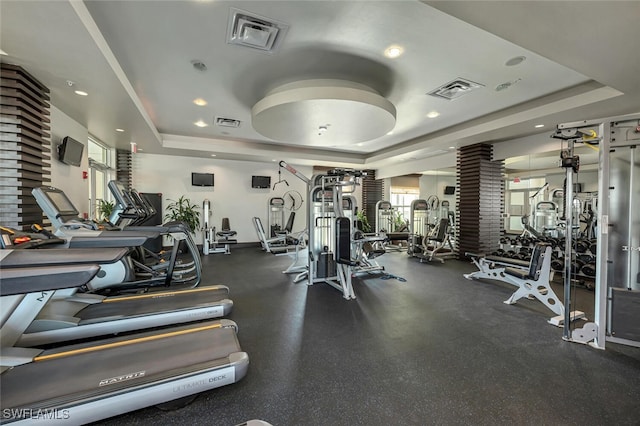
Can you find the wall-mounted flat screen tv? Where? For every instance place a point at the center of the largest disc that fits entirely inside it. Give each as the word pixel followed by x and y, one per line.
pixel 449 190
pixel 260 181
pixel 70 151
pixel 202 179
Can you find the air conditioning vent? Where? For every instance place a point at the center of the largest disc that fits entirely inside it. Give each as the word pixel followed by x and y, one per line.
pixel 254 31
pixel 227 122
pixel 455 89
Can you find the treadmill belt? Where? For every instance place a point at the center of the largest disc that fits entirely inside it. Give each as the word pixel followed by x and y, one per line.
pixel 91 374
pixel 134 306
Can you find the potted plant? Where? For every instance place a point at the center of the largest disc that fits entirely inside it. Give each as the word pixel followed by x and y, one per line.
pixel 364 222
pixel 399 222
pixel 105 208
pixel 183 211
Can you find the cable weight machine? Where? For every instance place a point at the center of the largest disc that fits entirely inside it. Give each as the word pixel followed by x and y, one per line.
pixel 617 287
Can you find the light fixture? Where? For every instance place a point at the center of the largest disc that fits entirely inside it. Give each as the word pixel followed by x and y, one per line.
pixel 390 132
pixel 81 93
pixel 359 144
pixel 273 159
pixel 515 61
pixel 2 52
pixel 393 51
pixel 200 123
pixel 537 126
pixel 507 84
pixel 200 102
pixel 120 130
pixel 352 111
pixel 213 155
pixel 452 147
pixel 199 65
pixel 433 114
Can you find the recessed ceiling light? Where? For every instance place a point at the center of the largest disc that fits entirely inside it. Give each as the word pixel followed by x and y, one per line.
pixel 452 147
pixel 200 102
pixel 120 130
pixel 81 93
pixel 433 114
pixel 2 52
pixel 537 126
pixel 200 123
pixel 213 155
pixel 274 159
pixel 393 51
pixel 359 144
pixel 390 132
pixel 515 61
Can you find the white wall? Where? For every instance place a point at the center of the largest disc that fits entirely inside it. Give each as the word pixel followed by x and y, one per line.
pixel 231 196
pixel 65 177
pixel 434 185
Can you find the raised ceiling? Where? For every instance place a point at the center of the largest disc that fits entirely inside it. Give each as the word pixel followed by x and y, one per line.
pixel 136 60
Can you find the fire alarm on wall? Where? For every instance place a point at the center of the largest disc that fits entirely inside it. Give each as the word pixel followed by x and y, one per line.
pixel 85 174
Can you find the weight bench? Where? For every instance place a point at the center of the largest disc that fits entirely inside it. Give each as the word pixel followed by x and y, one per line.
pixel 531 278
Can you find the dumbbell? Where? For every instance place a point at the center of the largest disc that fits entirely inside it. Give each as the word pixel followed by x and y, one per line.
pixel 557 264
pixel 588 269
pixel 576 266
pixel 582 246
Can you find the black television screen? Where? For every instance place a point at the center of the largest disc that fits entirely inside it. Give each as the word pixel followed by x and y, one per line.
pixel 202 179
pixel 70 151
pixel 260 181
pixel 449 190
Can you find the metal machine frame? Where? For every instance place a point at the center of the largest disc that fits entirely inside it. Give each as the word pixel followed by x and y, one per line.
pixel 611 291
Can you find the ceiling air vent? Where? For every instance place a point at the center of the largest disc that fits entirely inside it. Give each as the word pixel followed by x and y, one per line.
pixel 455 89
pixel 257 32
pixel 227 122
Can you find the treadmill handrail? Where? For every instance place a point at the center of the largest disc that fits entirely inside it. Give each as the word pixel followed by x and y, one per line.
pixel 60 257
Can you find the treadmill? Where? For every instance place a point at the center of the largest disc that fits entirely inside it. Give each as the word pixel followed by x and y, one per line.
pixel 90 381
pixel 86 233
pixel 71 315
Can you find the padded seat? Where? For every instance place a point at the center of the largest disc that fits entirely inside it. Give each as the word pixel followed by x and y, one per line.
pixel 226 233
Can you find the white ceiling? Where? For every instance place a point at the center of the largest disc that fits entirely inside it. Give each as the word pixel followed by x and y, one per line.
pixel 134 58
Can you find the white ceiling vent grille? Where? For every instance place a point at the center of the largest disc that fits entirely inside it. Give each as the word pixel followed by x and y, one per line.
pixel 455 89
pixel 254 31
pixel 227 122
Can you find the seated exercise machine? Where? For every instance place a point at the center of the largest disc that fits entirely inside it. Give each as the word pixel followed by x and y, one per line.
pixel 437 245
pixel 90 381
pixel 386 225
pixel 531 278
pixel 285 244
pixel 216 241
pixel 70 314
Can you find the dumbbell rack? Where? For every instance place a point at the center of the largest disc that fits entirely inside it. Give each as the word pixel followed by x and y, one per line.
pixel 521 248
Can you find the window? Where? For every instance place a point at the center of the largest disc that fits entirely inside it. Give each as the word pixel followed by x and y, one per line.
pixel 100 173
pixel 401 199
pixel 522 196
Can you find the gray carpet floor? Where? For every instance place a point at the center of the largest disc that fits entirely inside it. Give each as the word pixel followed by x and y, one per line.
pixel 435 350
